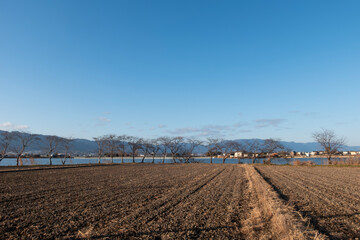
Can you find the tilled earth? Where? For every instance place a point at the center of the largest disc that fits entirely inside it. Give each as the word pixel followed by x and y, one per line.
pixel 329 196
pixel 146 201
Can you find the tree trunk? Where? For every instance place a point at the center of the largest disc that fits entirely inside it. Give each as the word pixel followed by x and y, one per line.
pixel 122 158
pixel 50 161
pixel 133 158
pixel 17 160
pixel 153 161
pixel 143 159
pixel 211 159
pixel 64 160
pixel 223 160
pixel 112 159
pixel 163 161
pixel 239 161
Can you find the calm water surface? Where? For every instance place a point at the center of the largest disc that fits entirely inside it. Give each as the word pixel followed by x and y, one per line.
pixel 57 161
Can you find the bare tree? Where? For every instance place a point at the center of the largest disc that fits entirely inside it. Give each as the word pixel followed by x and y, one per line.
pixel 253 147
pixel 154 148
pixel 187 149
pixel 111 143
pixel 174 147
pixel 66 144
pixel 329 142
pixel 226 148
pixel 25 140
pixel 134 146
pixel 165 142
pixel 51 146
pixel 145 146
pixel 101 143
pixel 122 142
pixel 212 147
pixel 5 140
pixel 270 148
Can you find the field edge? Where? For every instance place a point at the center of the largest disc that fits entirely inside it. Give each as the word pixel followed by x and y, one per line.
pixel 270 217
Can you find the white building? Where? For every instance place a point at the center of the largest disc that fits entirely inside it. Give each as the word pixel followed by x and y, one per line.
pixel 313 153
pixel 238 154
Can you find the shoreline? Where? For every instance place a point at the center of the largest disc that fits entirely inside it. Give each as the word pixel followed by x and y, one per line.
pixel 108 158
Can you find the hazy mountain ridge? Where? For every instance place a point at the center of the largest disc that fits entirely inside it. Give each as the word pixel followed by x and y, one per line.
pixel 85 146
pixel 79 146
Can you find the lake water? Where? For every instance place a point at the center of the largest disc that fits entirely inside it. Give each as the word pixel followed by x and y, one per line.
pixel 57 161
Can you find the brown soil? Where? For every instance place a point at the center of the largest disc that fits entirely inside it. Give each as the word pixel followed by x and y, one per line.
pixel 142 201
pixel 329 196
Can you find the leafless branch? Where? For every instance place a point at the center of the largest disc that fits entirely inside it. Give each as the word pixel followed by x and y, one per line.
pixel 6 139
pixel 329 142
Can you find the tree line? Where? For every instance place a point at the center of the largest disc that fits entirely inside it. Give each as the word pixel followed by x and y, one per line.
pixel 178 149
pixel 18 142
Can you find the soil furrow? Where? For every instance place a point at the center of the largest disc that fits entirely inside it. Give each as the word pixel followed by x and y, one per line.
pixel 333 213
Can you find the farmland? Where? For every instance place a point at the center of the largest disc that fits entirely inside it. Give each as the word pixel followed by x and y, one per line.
pixel 178 201
pixel 329 196
pixel 140 201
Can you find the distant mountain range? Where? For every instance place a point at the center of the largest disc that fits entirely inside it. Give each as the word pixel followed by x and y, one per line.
pixel 303 147
pixel 84 146
pixel 78 146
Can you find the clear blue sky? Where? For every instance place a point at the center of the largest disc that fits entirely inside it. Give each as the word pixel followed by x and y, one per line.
pixel 236 69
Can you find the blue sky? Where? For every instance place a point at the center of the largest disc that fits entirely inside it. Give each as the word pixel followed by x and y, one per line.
pixel 235 69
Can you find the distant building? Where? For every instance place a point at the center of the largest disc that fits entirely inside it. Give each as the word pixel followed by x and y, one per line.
pixel 313 153
pixel 238 154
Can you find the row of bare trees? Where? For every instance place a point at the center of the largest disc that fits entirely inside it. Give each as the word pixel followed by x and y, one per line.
pixel 19 142
pixel 254 149
pixel 179 148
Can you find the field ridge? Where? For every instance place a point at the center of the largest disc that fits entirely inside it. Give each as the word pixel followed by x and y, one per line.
pixel 271 217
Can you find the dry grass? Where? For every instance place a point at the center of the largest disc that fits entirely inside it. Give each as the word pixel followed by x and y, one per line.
pixel 270 218
pixel 300 163
pixel 355 160
pixel 85 233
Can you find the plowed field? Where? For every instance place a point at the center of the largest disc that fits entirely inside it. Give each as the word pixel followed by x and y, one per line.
pixel 329 196
pixel 145 201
